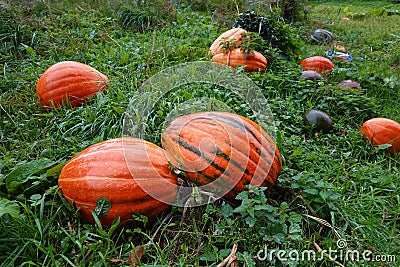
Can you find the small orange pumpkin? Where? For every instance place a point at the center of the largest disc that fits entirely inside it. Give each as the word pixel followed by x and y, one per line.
pixel 254 60
pixel 381 131
pixel 69 81
pixel 234 34
pixel 122 171
pixel 317 63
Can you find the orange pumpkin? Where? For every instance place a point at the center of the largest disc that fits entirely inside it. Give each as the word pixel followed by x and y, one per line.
pixel 381 131
pixel 123 171
pixel 69 81
pixel 222 151
pixel 254 60
pixel 317 63
pixel 234 34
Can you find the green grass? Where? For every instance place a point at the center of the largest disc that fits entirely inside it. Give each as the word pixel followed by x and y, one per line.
pixel 337 177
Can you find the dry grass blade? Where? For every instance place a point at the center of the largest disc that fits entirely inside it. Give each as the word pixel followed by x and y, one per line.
pixel 231 260
pixel 321 221
pixel 324 222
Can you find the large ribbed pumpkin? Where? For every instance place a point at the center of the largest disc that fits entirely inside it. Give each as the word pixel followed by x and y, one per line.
pixel 254 61
pixel 119 170
pixel 317 63
pixel 381 131
pixel 234 34
pixel 69 82
pixel 223 151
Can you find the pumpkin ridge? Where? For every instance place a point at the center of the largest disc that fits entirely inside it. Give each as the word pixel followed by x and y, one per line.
pixel 123 211
pixel 208 178
pixel 73 88
pixel 235 61
pixel 234 122
pixel 223 173
pixel 70 80
pixel 54 79
pixel 248 130
pixel 127 195
pixel 254 60
pixel 222 153
pixel 250 160
pixel 234 34
pixel 185 145
pixel 230 160
pixel 242 141
pixel 237 125
pixel 264 137
pixel 122 183
pixel 115 202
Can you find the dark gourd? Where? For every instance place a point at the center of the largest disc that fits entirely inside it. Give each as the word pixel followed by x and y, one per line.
pixel 318 120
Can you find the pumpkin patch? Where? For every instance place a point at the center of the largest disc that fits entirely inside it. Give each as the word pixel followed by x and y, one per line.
pixel 99 166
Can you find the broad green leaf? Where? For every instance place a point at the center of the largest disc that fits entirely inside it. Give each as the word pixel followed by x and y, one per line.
pixel 22 172
pixel 9 207
pixel 226 210
pixel 103 205
pixel 294 228
pixel 247 258
pixel 250 211
pixel 208 257
pixel 250 221
pixel 294 217
pixel 311 191
pixel 242 195
pixel 55 171
pixel 324 194
pixel 284 205
pixel 223 253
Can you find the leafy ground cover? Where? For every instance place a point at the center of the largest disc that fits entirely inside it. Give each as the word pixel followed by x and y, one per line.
pixel 334 187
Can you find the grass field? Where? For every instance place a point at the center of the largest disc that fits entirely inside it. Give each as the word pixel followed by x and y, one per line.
pixel 335 192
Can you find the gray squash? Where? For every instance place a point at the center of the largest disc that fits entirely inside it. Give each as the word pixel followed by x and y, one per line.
pixel 322 36
pixel 318 121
